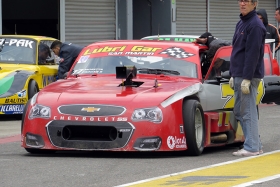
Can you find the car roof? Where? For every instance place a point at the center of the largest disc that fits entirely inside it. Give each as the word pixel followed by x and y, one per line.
pixel 176 38
pixel 35 37
pixel 171 36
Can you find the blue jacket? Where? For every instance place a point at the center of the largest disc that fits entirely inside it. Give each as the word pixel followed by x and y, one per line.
pixel 248 47
pixel 68 54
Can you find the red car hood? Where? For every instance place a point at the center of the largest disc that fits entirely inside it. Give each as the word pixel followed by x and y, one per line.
pixel 106 90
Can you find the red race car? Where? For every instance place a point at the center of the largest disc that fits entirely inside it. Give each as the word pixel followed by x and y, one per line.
pixel 136 96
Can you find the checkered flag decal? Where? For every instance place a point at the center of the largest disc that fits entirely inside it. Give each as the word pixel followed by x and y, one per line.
pixel 177 52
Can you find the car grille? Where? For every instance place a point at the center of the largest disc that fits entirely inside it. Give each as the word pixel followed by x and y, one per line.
pixel 89 135
pixel 91 110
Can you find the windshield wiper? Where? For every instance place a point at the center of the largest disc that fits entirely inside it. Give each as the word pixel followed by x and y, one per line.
pixel 157 71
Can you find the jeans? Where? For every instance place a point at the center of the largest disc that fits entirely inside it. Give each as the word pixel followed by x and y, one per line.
pixel 245 111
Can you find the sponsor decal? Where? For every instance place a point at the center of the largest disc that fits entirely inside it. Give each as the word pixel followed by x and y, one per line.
pixel 182 129
pixel 83 59
pixel 90 109
pixel 14 101
pixel 118 50
pixel 105 49
pixel 17 42
pixel 177 52
pixel 124 130
pixel 140 53
pixel 84 118
pixel 88 71
pixel 22 93
pixel 174 142
pixel 11 109
pixel 171 142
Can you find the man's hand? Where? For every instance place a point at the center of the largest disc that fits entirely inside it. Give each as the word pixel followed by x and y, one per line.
pixel 245 86
pixel 231 85
pixel 200 40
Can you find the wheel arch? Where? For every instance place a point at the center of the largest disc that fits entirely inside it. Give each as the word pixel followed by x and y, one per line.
pixel 32 83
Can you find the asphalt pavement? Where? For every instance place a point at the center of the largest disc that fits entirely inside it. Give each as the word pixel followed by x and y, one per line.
pixel 8 127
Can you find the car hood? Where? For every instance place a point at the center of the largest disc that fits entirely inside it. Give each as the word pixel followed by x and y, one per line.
pixel 106 90
pixel 8 68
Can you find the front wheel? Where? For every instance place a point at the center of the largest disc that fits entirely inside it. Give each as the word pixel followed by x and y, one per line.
pixel 194 126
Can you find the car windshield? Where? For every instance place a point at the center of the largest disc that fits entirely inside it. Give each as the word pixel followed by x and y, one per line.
pixel 17 51
pixel 144 64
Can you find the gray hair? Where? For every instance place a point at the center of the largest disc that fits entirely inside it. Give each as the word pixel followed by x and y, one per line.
pixel 255 1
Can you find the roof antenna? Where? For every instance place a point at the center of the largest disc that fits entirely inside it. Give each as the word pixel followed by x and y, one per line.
pixel 158 32
pixel 15 29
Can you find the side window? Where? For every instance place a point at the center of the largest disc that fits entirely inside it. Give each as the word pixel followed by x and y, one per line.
pixel 45 55
pixel 220 63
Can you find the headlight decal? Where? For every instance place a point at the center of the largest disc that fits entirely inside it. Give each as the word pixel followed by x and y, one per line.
pixel 147 114
pixel 39 111
pixel 19 80
pixel 191 90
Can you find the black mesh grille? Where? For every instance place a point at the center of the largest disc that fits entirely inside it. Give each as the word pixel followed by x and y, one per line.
pixel 89 135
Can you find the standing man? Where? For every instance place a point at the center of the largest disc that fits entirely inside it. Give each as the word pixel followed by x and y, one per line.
pixel 67 52
pixel 277 16
pixel 247 70
pixel 271 30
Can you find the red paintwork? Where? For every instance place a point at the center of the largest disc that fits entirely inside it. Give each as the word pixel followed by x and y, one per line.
pixel 102 89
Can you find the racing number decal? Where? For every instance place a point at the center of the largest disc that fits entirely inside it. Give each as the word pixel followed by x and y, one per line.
pixel 228 93
pixel 224 118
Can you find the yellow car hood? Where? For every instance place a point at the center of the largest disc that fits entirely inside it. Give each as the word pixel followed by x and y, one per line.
pixel 6 69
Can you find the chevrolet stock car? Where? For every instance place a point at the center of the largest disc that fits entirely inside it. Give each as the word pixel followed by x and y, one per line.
pixel 21 76
pixel 138 96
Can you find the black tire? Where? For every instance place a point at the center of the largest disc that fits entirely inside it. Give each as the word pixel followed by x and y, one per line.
pixel 39 151
pixel 32 89
pixel 194 127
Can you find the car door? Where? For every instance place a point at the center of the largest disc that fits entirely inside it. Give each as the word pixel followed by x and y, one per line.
pixel 216 91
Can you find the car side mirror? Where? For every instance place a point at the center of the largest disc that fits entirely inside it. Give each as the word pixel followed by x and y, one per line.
pixel 65 75
pixel 225 75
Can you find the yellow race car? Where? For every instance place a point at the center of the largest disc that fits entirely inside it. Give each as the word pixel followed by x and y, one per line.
pixel 26 66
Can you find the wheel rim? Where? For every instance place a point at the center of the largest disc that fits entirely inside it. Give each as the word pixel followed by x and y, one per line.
pixel 198 128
